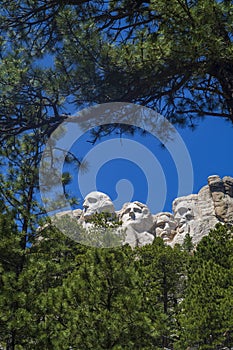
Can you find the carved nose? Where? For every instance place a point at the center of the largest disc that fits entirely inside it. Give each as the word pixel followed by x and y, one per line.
pixel 132 215
pixel 85 207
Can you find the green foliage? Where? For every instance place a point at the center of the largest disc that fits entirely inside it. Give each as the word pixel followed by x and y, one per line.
pixel 19 178
pixel 26 276
pixel 55 293
pixel 105 296
pixel 13 308
pixel 59 294
pixel 174 54
pixel 106 220
pixel 103 230
pixel 188 244
pixel 162 272
pixel 206 312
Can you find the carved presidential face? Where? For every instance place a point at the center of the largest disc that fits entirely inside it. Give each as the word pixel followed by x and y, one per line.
pixel 137 215
pixel 132 212
pixel 97 202
pixel 184 213
pixel 165 226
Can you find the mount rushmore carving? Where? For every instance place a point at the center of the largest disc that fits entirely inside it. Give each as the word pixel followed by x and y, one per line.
pixel 194 214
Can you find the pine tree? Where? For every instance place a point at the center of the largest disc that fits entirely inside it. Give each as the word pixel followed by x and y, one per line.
pixel 101 305
pixel 173 56
pixel 163 272
pixel 206 312
pixel 188 244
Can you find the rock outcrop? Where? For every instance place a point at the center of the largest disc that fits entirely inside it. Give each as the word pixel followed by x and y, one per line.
pixel 194 214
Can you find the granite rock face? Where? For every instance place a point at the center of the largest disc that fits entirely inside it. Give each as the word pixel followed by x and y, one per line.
pixel 97 202
pixel 135 217
pixel 222 195
pixel 138 224
pixel 194 214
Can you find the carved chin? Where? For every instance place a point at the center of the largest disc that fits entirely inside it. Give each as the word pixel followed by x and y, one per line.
pixel 132 221
pixel 164 236
pixel 167 236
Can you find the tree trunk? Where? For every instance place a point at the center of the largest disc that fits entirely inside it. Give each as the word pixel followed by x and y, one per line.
pixel 11 342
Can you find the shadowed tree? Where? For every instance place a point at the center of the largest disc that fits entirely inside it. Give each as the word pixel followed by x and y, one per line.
pixel 173 56
pixel 206 311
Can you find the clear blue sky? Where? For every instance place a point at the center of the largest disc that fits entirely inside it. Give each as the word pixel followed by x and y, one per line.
pixel 210 147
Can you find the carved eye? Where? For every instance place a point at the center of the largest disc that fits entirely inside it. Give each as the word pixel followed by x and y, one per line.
pixel 127 211
pixel 137 210
pixel 189 216
pixel 182 211
pixel 161 225
pixel 92 200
